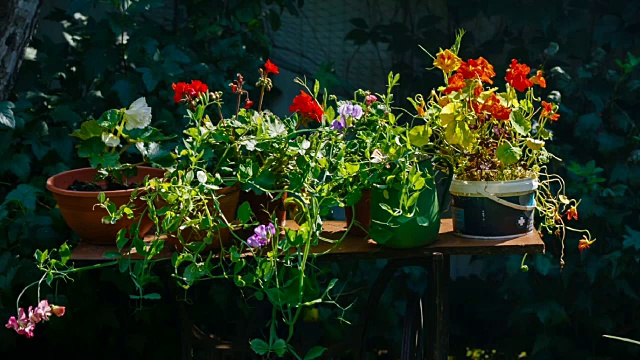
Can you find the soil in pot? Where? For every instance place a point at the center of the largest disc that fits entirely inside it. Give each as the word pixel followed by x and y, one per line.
pixel 79 210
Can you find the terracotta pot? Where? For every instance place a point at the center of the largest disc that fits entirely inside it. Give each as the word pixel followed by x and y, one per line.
pixel 263 206
pixel 228 200
pixel 79 210
pixel 363 215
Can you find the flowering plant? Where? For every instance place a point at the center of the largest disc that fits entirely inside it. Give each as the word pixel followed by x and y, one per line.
pixel 106 142
pixel 493 135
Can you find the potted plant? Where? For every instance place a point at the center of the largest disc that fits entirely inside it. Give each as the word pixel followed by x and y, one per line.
pixel 118 144
pixel 496 142
pixel 381 170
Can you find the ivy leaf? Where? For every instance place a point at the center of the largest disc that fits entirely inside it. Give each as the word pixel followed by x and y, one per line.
pixel 6 115
pixel 88 130
pixel 259 346
pixel 126 91
pixel 20 165
pixel 64 115
pixel 520 123
pixel 24 194
pixel 149 79
pixel 419 135
pixel 508 154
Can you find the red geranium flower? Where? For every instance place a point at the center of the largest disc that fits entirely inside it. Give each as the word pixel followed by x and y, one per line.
pixel 190 90
pixel 456 83
pixel 307 107
pixel 517 76
pixel 271 67
pixel 248 104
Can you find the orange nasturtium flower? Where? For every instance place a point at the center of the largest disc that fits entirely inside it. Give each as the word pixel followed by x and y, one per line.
pixel 447 61
pixel 538 79
pixel 517 76
pixel 584 243
pixel 495 107
pixel 572 213
pixel 479 68
pixel 456 83
pixel 547 111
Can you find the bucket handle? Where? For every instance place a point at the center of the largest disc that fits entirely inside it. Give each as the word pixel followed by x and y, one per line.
pixel 447 179
pixel 505 202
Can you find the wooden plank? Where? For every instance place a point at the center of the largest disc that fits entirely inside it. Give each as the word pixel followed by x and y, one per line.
pixel 353 247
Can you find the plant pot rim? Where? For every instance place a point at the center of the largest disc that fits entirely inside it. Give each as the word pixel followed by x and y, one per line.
pixel 57 190
pixel 474 187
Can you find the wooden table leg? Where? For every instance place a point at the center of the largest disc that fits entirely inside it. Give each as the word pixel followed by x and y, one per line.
pixel 440 279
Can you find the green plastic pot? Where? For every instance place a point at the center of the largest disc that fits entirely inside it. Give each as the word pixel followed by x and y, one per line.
pixel 421 229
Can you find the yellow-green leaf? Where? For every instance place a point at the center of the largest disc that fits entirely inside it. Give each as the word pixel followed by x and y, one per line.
pixel 420 135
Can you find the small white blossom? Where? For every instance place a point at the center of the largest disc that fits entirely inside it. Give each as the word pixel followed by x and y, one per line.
pixel 110 139
pixel 138 116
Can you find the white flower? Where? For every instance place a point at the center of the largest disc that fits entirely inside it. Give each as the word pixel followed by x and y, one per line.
pixel 138 116
pixel 110 139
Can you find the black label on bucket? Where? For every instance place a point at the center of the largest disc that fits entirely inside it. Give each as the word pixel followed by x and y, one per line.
pixel 458 218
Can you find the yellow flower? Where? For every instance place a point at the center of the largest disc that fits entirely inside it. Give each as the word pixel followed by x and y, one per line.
pixel 447 61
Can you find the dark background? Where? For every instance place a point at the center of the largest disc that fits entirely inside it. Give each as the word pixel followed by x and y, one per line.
pixel 88 56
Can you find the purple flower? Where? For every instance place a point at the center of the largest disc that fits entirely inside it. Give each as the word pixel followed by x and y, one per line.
pixel 262 236
pixel 339 124
pixel 348 109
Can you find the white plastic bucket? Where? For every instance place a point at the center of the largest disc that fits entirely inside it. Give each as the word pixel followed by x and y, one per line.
pixel 493 209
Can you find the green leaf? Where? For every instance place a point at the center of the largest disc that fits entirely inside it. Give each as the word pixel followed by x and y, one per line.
pixel 92 146
pixel 110 119
pixel 259 346
pixel 508 154
pixel 152 296
pixel 64 115
pixel 125 90
pixel 520 123
pixel 111 255
pixel 280 347
pixel 157 155
pixel 6 115
pixel 352 168
pixel 149 78
pixel 25 195
pixel 420 135
pixel 458 132
pixel 244 212
pixel 89 129
pixel 65 253
pixel 315 352
pixel 20 165
pixel 423 221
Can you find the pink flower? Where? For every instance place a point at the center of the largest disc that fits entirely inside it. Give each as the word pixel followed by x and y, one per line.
pixel 22 325
pixel 371 99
